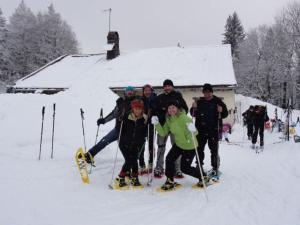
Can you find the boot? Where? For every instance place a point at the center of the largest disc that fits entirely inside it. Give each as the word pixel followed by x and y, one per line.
pixel 143 170
pixel 158 173
pixel 135 182
pixel 201 183
pixel 169 184
pixel 179 175
pixel 121 181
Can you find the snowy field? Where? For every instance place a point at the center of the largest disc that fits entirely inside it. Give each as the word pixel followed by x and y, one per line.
pixel 260 189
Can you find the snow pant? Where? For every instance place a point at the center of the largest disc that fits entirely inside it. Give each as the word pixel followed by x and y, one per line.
pixel 150 147
pixel 161 143
pixel 106 140
pixel 187 157
pixel 258 128
pixel 250 130
pixel 213 145
pixel 130 155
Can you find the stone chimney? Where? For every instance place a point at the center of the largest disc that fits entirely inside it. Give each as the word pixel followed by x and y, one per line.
pixel 113 39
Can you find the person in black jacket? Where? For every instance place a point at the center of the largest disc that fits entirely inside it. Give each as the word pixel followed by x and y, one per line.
pixel 248 117
pixel 131 142
pixel 148 98
pixel 260 116
pixel 160 110
pixel 122 107
pixel 209 112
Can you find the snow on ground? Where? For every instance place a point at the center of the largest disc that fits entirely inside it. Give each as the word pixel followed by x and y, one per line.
pixel 260 189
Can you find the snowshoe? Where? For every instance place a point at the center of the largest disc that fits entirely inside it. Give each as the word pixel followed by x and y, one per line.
pixel 88 158
pixel 168 186
pixel 82 167
pixel 120 184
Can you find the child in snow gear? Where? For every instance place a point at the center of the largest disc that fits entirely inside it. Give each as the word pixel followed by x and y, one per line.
pixel 248 117
pixel 209 112
pixel 148 98
pixel 260 116
pixel 122 107
pixel 132 139
pixel 160 110
pixel 182 128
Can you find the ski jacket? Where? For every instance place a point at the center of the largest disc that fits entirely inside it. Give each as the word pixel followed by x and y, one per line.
pixel 160 105
pixel 248 115
pixel 134 131
pixel 122 107
pixel 260 115
pixel 177 126
pixel 207 116
pixel 149 104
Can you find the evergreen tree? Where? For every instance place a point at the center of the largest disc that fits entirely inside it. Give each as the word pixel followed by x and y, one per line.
pixel 234 33
pixel 22 41
pixel 3 49
pixel 56 36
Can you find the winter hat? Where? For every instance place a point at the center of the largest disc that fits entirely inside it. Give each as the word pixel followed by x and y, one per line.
pixel 168 82
pixel 147 86
pixel 173 102
pixel 137 103
pixel 129 88
pixel 207 87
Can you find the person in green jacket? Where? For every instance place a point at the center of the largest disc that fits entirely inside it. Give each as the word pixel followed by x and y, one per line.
pixel 182 128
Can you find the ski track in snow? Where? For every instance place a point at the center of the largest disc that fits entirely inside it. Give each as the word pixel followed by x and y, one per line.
pixel 255 189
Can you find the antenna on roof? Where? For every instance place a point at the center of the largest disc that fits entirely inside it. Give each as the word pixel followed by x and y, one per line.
pixel 109 13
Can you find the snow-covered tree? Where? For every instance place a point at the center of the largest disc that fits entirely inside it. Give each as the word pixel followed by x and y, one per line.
pixel 234 33
pixel 3 49
pixel 56 36
pixel 22 40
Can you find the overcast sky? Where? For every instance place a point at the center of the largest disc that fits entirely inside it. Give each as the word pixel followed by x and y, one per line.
pixel 153 23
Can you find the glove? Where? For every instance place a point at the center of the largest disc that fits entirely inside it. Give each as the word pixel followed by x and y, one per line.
pixel 191 127
pixel 154 120
pixel 100 121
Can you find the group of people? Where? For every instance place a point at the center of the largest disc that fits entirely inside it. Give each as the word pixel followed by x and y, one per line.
pixel 255 118
pixel 138 118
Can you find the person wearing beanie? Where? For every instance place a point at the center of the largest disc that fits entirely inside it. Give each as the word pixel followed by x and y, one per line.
pixel 209 111
pixel 132 139
pixel 160 110
pixel 148 98
pixel 183 130
pixel 122 107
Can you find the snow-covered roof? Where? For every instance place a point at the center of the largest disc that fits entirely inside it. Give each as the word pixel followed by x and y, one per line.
pixel 61 72
pixel 184 66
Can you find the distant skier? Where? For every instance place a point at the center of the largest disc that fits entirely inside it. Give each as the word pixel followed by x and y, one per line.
pixel 259 118
pixel 160 110
pixel 181 127
pixel 122 107
pixel 148 98
pixel 132 139
pixel 248 117
pixel 209 112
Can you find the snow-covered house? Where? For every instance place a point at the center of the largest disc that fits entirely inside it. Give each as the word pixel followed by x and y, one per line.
pixel 189 68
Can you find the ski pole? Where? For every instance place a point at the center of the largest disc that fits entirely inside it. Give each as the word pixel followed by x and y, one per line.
pixel 101 116
pixel 53 131
pixel 200 167
pixel 41 140
pixel 82 118
pixel 148 170
pixel 115 161
pixel 153 158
